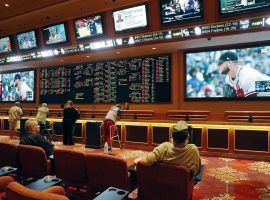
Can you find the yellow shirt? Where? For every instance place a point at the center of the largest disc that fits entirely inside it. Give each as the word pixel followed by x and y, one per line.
pixel 166 152
pixel 42 113
pixel 14 113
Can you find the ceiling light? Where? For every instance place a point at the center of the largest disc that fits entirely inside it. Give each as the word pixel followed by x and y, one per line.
pixel 7 5
pixel 118 52
pixel 62 60
pixel 88 56
pixel 154 48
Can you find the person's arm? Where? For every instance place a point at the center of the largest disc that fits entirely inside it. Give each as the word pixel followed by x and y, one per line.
pixel 44 144
pixel 152 157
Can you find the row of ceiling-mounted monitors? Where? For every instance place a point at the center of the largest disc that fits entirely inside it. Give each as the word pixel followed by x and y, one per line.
pixel 128 19
pixel 240 72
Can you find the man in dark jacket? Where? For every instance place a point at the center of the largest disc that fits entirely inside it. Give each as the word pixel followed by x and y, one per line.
pixel 32 137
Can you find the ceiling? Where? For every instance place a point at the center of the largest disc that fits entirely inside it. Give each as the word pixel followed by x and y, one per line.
pixel 26 14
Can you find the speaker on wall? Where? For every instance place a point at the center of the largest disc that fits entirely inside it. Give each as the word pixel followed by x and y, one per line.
pixel 93 135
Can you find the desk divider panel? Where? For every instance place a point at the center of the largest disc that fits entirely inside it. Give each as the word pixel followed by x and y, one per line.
pixel 161 134
pixel 252 140
pixel 78 130
pixel 136 133
pixel 197 137
pixel 5 125
pixel 218 138
pixel 58 128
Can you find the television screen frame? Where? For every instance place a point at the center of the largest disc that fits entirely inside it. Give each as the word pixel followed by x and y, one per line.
pixel 90 36
pixel 221 14
pixel 199 18
pixel 45 39
pixel 14 72
pixel 221 48
pixel 11 46
pixel 28 49
pixel 135 28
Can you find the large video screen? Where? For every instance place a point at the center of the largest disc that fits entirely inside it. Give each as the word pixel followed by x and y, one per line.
pixel 27 40
pixel 130 18
pixel 18 86
pixel 180 10
pixel 55 34
pixel 235 73
pixel 237 6
pixel 5 45
pixel 89 27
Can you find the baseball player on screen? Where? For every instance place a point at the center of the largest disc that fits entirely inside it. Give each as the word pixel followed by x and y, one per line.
pixel 240 80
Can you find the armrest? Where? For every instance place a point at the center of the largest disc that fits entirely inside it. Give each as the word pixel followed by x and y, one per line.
pixel 55 190
pixel 4 181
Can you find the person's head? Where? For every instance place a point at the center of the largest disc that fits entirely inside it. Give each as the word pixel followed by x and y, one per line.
pixel 53 31
pixel 17 80
pixel 227 61
pixel 118 105
pixel 44 105
pixel 126 106
pixel 119 16
pixel 18 104
pixel 68 104
pixel 31 126
pixel 180 133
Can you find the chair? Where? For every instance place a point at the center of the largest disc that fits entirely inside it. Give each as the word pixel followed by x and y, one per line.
pixel 8 155
pixel 4 181
pixel 16 191
pixel 164 181
pixel 104 171
pixel 33 161
pixel 70 166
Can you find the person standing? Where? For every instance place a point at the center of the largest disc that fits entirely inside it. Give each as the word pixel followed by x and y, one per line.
pixel 42 114
pixel 70 115
pixel 14 114
pixel 110 120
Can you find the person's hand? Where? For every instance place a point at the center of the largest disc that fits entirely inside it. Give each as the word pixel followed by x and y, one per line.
pixel 137 160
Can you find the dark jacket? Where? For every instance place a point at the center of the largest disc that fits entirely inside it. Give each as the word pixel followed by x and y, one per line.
pixel 70 115
pixel 39 141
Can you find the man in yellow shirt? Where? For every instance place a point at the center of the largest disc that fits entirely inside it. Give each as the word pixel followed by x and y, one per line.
pixel 176 152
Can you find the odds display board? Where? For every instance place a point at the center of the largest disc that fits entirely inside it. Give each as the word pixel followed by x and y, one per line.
pixel 146 80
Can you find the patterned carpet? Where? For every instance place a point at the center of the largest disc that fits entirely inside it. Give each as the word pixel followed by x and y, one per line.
pixel 223 178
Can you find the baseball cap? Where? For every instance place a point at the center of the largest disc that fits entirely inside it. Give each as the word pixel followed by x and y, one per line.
pixel 17 76
pixel 228 55
pixel 181 125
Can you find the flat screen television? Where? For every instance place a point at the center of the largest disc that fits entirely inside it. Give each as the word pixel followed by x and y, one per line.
pixel 227 7
pixel 55 34
pixel 173 11
pixel 232 73
pixel 130 18
pixel 5 45
pixel 18 86
pixel 27 40
pixel 89 27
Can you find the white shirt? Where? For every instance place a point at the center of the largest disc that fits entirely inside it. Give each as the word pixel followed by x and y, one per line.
pixel 24 92
pixel 244 82
pixel 113 113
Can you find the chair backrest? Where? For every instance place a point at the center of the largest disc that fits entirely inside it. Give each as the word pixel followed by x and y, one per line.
pixel 164 181
pixel 105 171
pixel 33 161
pixel 8 155
pixel 16 191
pixel 70 166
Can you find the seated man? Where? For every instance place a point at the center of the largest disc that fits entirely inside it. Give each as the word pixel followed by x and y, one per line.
pixel 177 152
pixel 32 137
